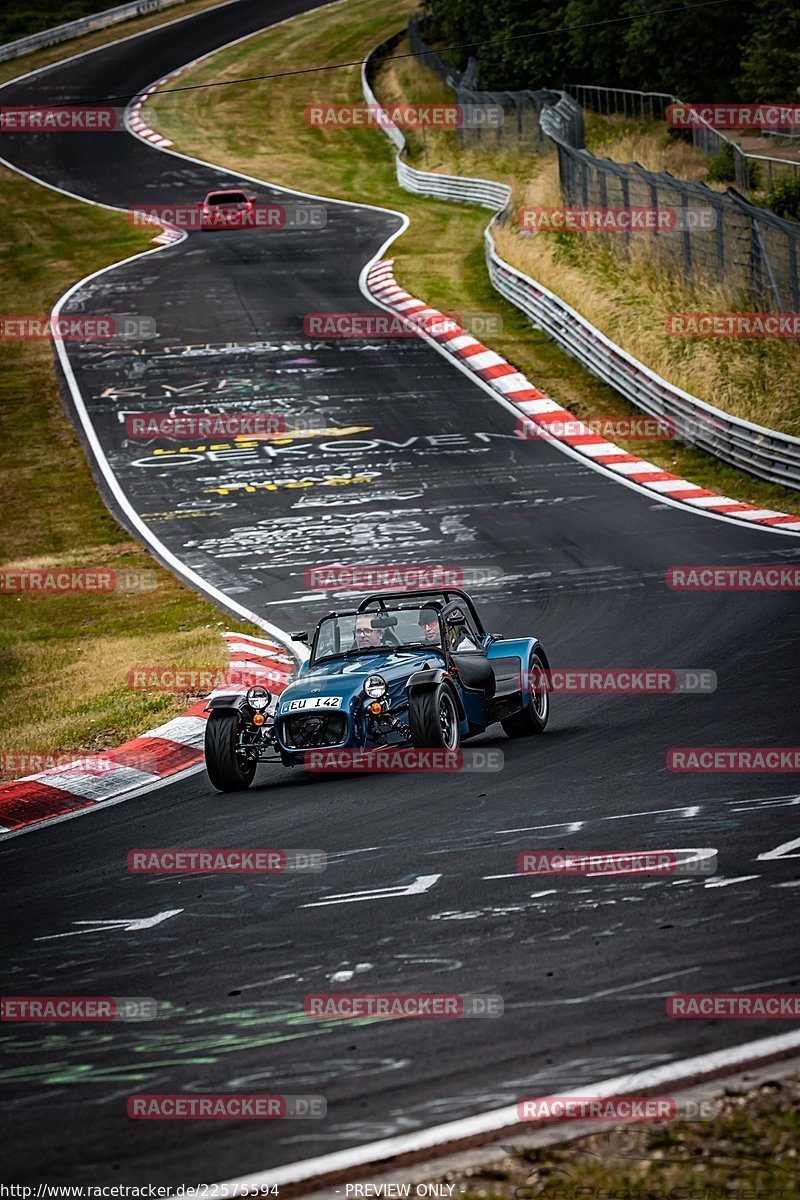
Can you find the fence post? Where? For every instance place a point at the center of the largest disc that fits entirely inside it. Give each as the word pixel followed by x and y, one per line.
pixel 720 240
pixel 626 196
pixel 792 245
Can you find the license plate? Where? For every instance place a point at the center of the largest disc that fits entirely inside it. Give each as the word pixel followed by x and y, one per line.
pixel 315 702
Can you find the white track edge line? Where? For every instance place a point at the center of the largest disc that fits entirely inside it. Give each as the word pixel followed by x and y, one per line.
pixel 438 1136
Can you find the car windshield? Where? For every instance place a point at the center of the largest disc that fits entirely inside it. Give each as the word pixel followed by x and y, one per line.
pixel 218 198
pixel 412 626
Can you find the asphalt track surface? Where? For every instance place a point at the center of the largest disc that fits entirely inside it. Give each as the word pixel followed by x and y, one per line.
pixel 584 965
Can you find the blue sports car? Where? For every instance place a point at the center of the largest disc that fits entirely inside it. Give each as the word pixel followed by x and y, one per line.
pixel 403 669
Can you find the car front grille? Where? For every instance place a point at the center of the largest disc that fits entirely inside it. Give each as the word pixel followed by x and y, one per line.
pixel 312 730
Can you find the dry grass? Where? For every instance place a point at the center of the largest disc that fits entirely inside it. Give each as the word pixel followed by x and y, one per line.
pixel 647 143
pixel 627 295
pixel 748 1149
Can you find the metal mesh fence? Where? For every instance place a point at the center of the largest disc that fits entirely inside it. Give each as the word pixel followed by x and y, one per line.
pixel 747 167
pixel 716 235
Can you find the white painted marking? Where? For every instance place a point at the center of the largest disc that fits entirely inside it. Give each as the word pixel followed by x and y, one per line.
pixel 718 881
pixel 510 383
pixel 596 449
pixel 568 826
pixel 500 1119
pixel 126 925
pixel 188 731
pixel 625 987
pixel 423 883
pixel 781 851
pixel 690 854
pixel 690 810
pixel 634 468
pixel 486 358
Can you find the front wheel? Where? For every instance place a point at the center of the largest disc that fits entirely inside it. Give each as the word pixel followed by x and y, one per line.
pixel 433 719
pixel 227 771
pixel 532 719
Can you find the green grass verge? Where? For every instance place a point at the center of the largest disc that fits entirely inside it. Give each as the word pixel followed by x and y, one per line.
pixel 259 128
pixel 64 658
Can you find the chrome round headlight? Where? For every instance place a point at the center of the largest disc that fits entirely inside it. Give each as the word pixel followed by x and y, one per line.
pixel 375 687
pixel 258 698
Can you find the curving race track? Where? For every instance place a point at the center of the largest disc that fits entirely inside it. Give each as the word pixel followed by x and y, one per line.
pixel 432 472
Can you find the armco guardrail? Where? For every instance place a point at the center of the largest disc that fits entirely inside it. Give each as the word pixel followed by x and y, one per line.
pixel 705 137
pixel 73 29
pixel 765 453
pixel 453 187
pixel 426 183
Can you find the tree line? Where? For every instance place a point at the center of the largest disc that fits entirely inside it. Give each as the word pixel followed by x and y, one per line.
pixel 720 51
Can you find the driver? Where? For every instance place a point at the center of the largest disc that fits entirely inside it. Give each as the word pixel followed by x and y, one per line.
pixel 429 624
pixel 365 635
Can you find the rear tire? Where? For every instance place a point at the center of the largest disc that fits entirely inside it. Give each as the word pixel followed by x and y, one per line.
pixel 533 719
pixel 433 719
pixel 225 769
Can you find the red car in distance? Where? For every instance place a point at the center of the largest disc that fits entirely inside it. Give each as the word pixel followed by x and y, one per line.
pixel 228 210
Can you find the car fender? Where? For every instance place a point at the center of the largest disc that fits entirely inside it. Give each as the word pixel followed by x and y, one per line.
pixel 422 681
pixel 231 700
pixel 520 648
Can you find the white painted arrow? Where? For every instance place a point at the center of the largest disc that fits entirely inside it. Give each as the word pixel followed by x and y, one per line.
pixel 423 883
pixel 781 851
pixel 126 925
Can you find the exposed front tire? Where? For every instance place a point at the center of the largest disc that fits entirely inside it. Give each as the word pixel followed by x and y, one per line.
pixel 532 719
pixel 227 772
pixel 433 719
